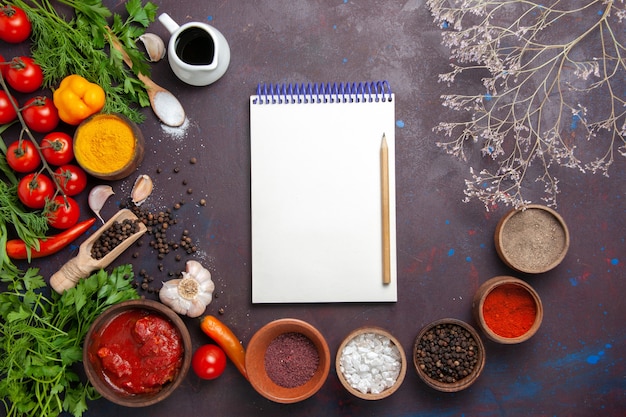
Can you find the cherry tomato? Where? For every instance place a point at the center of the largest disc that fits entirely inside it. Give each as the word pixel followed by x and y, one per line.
pixel 14 24
pixel 34 189
pixel 57 148
pixel 71 178
pixel 209 361
pixel 22 156
pixel 63 212
pixel 3 65
pixel 24 75
pixel 40 114
pixel 7 110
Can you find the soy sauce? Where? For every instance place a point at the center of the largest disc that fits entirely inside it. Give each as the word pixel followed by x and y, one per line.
pixel 195 47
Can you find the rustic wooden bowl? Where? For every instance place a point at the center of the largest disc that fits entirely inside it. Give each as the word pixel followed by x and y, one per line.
pixel 479 301
pixel 533 239
pixel 130 164
pixel 255 361
pixel 369 395
pixel 460 384
pixel 93 368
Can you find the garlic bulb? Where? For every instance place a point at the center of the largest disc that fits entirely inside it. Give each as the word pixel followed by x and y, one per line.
pixel 155 47
pixel 190 294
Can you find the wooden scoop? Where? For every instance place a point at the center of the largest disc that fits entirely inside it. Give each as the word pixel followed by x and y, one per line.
pixel 167 107
pixel 84 264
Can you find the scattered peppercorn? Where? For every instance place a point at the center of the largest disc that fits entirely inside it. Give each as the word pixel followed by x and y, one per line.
pixel 447 353
pixel 158 226
pixel 193 160
pixel 202 202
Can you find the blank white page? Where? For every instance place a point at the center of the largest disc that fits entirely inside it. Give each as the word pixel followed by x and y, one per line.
pixel 316 201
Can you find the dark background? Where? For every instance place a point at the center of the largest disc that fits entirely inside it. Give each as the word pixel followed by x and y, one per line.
pixel 574 365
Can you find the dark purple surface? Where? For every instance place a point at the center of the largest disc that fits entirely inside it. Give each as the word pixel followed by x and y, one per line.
pixel 574 365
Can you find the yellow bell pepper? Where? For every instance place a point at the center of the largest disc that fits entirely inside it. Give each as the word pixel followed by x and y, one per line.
pixel 76 99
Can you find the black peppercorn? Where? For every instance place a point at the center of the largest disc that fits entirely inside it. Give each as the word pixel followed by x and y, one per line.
pixel 447 353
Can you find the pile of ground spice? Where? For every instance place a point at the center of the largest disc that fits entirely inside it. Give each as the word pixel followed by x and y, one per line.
pixel 533 239
pixel 509 310
pixel 291 360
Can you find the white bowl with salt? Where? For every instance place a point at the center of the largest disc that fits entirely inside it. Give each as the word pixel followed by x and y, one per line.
pixel 371 363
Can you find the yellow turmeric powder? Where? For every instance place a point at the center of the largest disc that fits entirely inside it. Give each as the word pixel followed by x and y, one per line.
pixel 104 144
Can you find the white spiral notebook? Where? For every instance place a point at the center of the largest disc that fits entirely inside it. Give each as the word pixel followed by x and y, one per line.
pixel 317 193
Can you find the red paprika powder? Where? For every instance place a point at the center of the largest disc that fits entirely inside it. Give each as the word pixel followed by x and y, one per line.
pixel 509 310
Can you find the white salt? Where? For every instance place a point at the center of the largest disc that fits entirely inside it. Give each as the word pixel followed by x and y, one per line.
pixel 370 363
pixel 168 109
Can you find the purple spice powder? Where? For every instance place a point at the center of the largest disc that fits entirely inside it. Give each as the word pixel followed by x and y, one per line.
pixel 291 360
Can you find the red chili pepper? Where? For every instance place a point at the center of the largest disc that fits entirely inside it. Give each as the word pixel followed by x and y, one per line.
pixel 16 248
pixel 227 340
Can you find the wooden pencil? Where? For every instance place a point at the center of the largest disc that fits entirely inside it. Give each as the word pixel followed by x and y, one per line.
pixel 384 185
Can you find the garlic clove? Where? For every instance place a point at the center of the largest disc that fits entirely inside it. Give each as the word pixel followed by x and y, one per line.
pixel 155 47
pixel 142 189
pixel 97 197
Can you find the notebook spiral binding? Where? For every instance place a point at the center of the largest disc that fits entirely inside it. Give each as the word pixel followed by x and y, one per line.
pixel 362 92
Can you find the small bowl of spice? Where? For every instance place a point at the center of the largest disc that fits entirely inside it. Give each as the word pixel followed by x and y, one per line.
pixel 371 363
pixel 533 239
pixel 448 355
pixel 287 360
pixel 136 353
pixel 108 146
pixel 507 309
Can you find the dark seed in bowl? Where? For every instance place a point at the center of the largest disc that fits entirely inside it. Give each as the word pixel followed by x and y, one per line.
pixel 447 353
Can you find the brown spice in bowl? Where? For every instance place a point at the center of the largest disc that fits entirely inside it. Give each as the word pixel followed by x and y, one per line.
pixel 532 239
pixel 291 359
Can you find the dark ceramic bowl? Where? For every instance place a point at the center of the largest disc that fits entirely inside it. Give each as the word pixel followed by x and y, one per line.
pixel 473 372
pixel 84 140
pixel 93 366
pixel 342 377
pixel 256 365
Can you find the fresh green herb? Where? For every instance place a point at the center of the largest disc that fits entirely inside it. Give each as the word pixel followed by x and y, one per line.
pixel 80 46
pixel 41 339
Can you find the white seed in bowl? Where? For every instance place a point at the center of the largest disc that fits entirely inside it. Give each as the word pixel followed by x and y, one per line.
pixel 370 363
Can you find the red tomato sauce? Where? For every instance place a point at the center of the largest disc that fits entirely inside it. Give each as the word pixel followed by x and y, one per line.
pixel 138 352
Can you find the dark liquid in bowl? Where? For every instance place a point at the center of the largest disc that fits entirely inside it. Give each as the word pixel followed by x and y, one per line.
pixel 195 47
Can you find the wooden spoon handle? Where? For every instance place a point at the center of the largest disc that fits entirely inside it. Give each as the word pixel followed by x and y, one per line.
pixel 68 276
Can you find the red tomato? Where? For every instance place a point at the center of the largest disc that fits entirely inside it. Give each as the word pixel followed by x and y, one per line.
pixel 71 178
pixel 24 75
pixel 40 114
pixel 22 156
pixel 3 65
pixel 14 24
pixel 209 361
pixel 57 148
pixel 63 212
pixel 7 111
pixel 34 189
